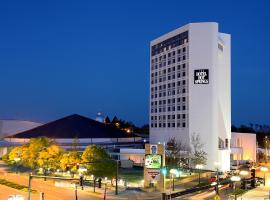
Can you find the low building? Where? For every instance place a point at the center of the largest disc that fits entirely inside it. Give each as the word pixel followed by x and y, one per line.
pixel 82 130
pixel 243 147
pixel 12 127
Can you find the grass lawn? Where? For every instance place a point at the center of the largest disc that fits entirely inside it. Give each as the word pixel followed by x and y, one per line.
pixel 15 185
pixel 131 175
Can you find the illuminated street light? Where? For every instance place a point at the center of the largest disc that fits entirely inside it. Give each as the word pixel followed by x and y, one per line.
pixel 244 174
pixel 174 173
pixel 264 170
pixel 199 167
pixel 235 179
pixel 164 171
pixel 16 161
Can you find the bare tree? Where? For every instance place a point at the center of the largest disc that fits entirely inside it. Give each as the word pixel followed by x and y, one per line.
pixel 176 153
pixel 198 155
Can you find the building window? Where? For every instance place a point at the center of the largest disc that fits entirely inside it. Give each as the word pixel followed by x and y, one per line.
pixel 184 125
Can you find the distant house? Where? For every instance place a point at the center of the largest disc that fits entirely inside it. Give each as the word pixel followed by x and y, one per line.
pixel 86 131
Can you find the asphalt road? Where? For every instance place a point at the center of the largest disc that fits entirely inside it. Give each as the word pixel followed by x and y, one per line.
pixel 51 192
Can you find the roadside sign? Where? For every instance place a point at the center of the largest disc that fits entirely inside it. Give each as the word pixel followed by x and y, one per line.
pixel 153 174
pixel 217 197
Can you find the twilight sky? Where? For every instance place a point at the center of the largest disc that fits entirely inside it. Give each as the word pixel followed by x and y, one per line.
pixel 63 57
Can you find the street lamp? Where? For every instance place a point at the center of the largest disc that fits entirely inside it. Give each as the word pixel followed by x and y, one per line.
pixel 199 167
pixel 16 161
pixel 174 173
pixel 264 170
pixel 217 165
pixel 235 179
pixel 266 152
pixel 244 174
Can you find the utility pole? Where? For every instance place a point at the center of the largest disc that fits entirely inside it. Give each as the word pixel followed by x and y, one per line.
pixel 29 186
pixel 116 181
pixel 76 194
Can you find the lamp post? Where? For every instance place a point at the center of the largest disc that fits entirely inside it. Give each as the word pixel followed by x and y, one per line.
pixel 264 170
pixel 244 173
pixel 217 165
pixel 235 179
pixel 266 152
pixel 174 173
pixel 199 167
pixel 16 161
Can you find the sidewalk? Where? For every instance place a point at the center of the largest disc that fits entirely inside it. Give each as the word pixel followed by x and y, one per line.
pixel 259 193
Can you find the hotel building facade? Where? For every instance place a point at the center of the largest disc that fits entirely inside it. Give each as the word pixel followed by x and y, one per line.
pixel 190 91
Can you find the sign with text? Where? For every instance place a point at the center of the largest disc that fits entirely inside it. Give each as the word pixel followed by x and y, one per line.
pixel 201 76
pixel 153 174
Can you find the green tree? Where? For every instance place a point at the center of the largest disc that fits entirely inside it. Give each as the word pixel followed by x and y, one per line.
pixel 102 165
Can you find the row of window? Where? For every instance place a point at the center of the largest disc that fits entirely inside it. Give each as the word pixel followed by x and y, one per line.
pixel 169 125
pixel 169 85
pixel 169 109
pixel 168 78
pixel 169 101
pixel 170 55
pixel 169 70
pixel 169 62
pixel 170 43
pixel 169 93
pixel 163 117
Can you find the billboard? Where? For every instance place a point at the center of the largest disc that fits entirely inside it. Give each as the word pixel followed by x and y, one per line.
pixel 153 161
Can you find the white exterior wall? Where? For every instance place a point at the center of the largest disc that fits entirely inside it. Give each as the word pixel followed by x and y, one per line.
pixel 209 105
pixel 243 146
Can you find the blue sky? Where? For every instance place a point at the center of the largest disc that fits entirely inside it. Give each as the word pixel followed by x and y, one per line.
pixel 64 57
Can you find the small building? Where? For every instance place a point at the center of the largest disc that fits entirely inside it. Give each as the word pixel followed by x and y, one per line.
pixel 82 130
pixel 243 147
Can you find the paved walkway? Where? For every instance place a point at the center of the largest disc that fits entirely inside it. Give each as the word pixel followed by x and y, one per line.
pixel 259 193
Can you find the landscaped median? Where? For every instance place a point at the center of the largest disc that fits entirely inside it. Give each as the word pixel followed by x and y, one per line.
pixel 15 186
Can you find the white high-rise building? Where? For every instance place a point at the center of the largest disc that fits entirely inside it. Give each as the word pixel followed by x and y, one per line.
pixel 190 89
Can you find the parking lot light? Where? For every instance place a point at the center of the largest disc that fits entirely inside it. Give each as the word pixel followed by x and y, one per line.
pixel 264 170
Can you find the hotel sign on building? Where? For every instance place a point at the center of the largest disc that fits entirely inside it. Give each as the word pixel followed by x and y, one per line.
pixel 201 76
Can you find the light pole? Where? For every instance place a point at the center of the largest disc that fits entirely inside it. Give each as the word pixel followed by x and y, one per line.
pixel 244 174
pixel 174 173
pixel 199 167
pixel 16 161
pixel 235 179
pixel 217 165
pixel 264 170
pixel 266 152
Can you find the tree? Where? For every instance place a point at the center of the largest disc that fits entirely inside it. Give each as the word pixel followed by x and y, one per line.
pixel 176 153
pixel 101 164
pixel 69 160
pixel 198 156
pixel 107 120
pixel 16 152
pixel 30 151
pixel 49 157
